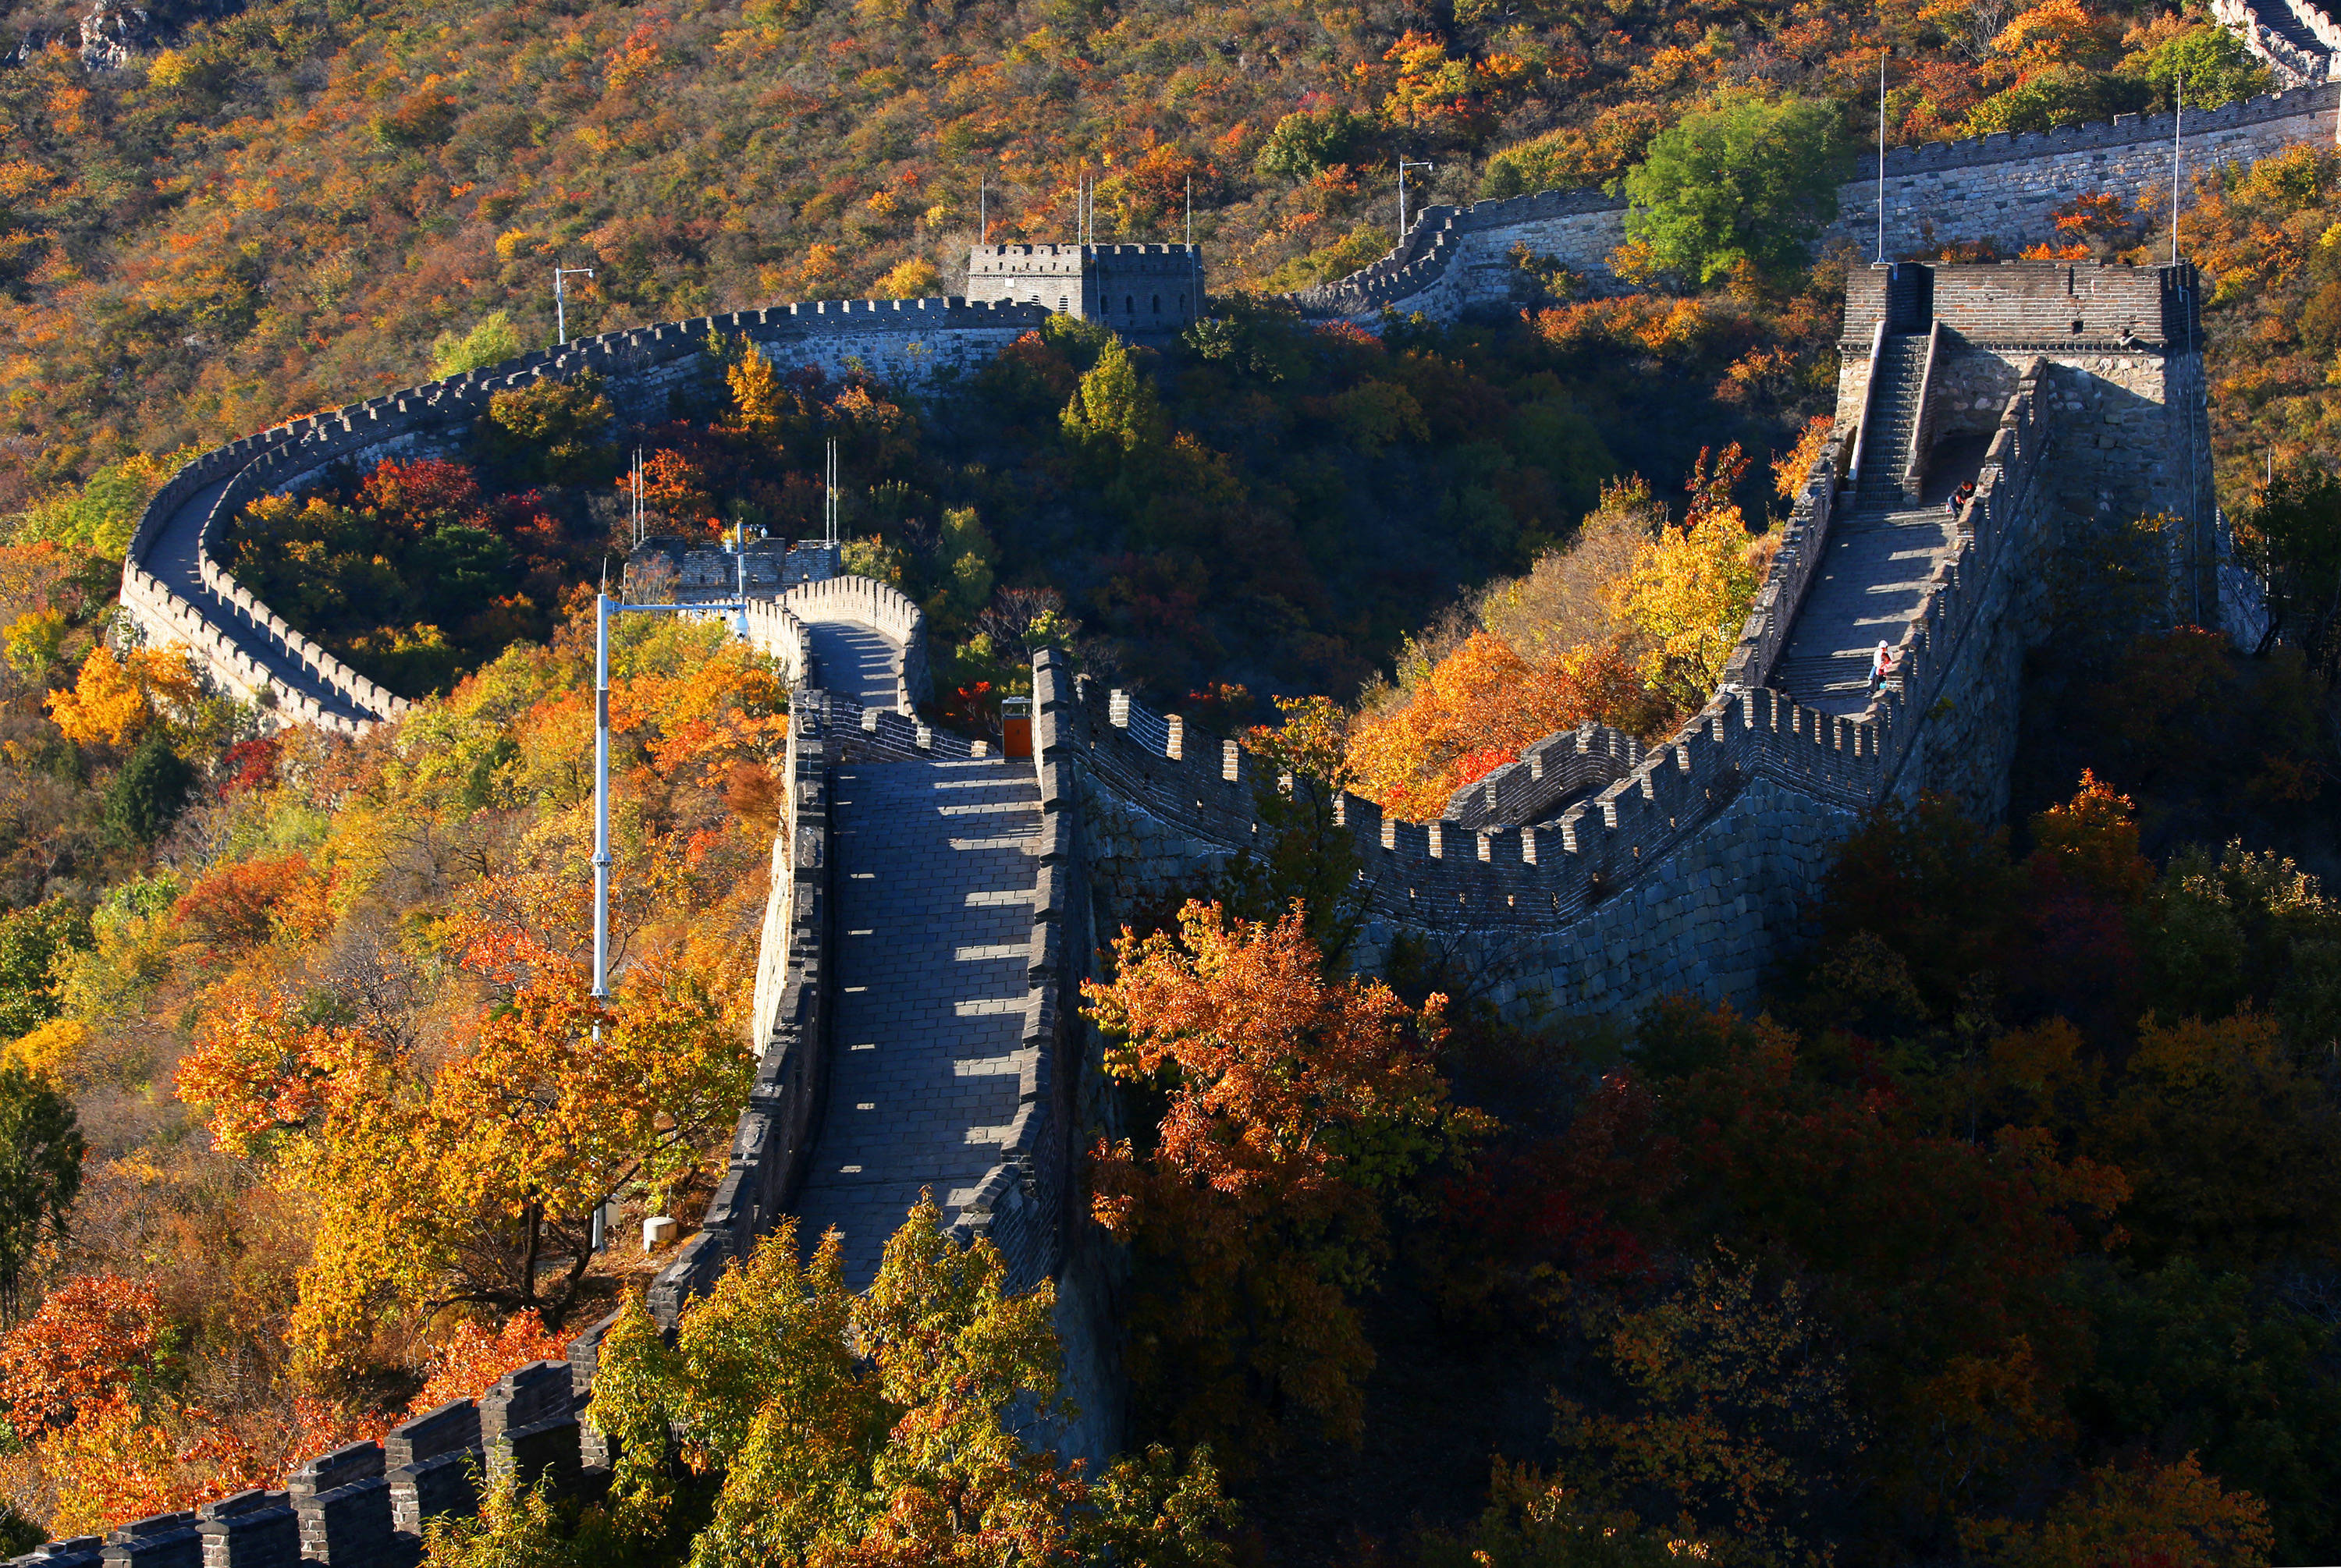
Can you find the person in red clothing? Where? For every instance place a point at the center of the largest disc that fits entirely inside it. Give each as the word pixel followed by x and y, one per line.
pixel 1880 666
pixel 1962 496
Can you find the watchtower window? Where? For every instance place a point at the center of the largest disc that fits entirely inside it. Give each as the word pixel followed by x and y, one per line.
pixel 1128 307
pixel 1063 305
pixel 1158 304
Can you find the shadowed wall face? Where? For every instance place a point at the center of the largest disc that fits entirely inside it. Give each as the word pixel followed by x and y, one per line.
pixel 1134 289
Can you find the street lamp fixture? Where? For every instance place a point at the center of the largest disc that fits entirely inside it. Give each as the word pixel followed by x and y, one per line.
pixel 1403 165
pixel 560 276
pixel 605 607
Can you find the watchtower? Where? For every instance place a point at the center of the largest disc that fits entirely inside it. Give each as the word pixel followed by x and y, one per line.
pixel 1134 289
pixel 1931 355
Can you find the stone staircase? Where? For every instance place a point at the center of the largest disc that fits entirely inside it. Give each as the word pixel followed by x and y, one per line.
pixel 2281 19
pixel 1893 408
pixel 1873 580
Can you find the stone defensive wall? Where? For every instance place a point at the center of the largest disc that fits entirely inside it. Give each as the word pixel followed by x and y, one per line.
pixel 1593 875
pixel 885 610
pixel 2274 29
pixel 363 1506
pixel 2125 344
pixel 775 632
pixel 176 591
pixel 1020 1203
pixel 2000 189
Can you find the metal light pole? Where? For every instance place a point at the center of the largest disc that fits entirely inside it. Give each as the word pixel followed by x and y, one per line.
pixel 1881 156
pixel 829 498
pixel 2177 137
pixel 604 608
pixel 561 275
pixel 1404 164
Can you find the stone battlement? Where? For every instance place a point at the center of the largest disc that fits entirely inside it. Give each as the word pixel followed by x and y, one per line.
pixel 2001 189
pixel 176 591
pixel 2045 304
pixel 1136 289
pixel 1594 873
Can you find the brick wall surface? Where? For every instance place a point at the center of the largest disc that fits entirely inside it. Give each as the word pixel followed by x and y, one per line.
pixel 2000 189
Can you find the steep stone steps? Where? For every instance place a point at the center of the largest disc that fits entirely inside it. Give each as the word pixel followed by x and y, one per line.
pixel 1894 409
pixel 1871 584
pixel 2278 17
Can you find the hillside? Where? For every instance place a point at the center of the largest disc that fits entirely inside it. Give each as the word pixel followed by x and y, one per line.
pixel 1999 1229
pixel 282 208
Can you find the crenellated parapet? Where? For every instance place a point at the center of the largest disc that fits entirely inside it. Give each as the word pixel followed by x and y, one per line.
pixel 364 1504
pixel 1602 870
pixel 882 607
pixel 2001 189
pixel 176 591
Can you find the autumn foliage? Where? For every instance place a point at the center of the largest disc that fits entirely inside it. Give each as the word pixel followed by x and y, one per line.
pixel 1638 621
pixel 1295 1106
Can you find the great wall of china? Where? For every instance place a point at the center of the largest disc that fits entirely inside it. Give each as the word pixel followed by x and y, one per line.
pixel 933 907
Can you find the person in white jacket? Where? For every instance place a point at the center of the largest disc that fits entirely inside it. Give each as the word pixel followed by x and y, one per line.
pixel 1880 666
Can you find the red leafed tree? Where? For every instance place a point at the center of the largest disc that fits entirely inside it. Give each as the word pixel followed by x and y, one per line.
pixel 1295 1105
pixel 86 1347
pixel 475 1355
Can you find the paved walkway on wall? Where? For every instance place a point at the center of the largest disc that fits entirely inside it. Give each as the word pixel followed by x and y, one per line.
pixel 934 904
pixel 855 660
pixel 172 558
pixel 1871 586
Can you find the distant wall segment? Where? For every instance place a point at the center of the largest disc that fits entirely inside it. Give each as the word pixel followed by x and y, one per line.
pixel 2001 189
pixel 1594 875
pixel 176 591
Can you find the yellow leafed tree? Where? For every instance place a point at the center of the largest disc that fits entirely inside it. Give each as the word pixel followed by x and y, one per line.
pixel 1691 587
pixel 759 402
pixel 115 696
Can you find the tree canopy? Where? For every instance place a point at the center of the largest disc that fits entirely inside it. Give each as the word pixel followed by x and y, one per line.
pixel 1745 183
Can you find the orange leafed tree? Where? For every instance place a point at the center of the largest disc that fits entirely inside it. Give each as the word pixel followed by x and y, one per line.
pixel 238 906
pixel 1295 1103
pixel 450 1182
pixel 81 1383
pixel 258 1069
pixel 116 696
pixel 1479 706
pixel 2165 1515
pixel 83 1348
pixel 474 1356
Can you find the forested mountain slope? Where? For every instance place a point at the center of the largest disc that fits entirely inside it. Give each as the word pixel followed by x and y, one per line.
pixel 244 218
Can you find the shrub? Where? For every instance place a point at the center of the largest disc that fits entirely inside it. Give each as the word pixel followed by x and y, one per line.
pixel 1750 181
pixel 144 798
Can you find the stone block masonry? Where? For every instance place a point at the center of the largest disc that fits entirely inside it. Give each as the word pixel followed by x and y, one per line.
pixel 2000 189
pixel 1592 875
pixel 1137 290
pixel 177 591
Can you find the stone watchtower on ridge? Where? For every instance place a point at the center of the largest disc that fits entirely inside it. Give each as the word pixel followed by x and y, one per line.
pixel 1134 289
pixel 1931 355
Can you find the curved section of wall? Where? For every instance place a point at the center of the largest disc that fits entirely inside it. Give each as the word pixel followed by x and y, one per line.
pixel 1661 879
pixel 1425 272
pixel 175 590
pixel 885 610
pixel 775 632
pixel 2001 188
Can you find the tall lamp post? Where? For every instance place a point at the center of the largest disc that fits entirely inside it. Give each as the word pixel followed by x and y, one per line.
pixel 605 607
pixel 1404 164
pixel 560 276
